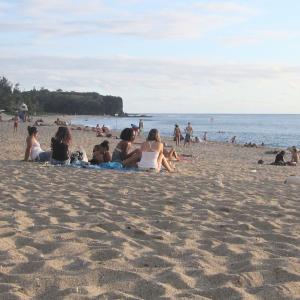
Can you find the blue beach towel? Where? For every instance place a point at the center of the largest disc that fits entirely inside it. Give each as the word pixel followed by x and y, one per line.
pixel 109 165
pixel 104 166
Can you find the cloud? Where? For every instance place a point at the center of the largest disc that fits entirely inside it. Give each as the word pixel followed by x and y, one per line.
pixel 226 7
pixel 37 8
pixel 57 18
pixel 260 36
pixel 150 74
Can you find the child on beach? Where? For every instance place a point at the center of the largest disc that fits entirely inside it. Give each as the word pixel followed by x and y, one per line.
pixel 16 123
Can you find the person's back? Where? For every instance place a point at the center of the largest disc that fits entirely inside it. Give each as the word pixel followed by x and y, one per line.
pixel 60 146
pixel 35 149
pixel 150 153
pixel 279 159
pixel 121 150
pixel 60 150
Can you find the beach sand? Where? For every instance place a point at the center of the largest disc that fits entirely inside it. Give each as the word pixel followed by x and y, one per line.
pixel 221 227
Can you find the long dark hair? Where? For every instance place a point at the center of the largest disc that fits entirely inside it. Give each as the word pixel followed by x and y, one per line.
pixel 63 135
pixel 104 145
pixel 32 130
pixel 153 135
pixel 127 134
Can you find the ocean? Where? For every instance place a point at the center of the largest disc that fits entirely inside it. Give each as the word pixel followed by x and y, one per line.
pixel 272 130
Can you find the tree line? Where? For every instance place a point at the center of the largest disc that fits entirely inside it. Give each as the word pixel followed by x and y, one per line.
pixel 61 102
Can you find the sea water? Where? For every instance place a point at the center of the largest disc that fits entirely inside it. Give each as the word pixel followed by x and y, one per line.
pixel 272 130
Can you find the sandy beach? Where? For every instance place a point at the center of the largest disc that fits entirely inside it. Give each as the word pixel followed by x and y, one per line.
pixel 221 227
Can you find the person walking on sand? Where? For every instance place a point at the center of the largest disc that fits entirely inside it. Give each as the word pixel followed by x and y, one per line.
pixel 188 134
pixel 16 123
pixel 177 134
pixel 141 127
pixel 205 136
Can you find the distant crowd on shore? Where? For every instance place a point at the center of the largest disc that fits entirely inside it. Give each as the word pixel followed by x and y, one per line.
pixel 151 155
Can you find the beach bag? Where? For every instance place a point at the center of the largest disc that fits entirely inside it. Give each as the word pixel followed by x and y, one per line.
pixel 76 156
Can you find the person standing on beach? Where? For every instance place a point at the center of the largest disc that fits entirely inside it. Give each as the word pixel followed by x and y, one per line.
pixel 205 136
pixel 16 123
pixel 141 126
pixel 295 156
pixel 188 134
pixel 177 134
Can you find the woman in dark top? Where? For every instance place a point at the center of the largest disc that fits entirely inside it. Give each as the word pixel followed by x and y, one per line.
pixel 279 159
pixel 60 146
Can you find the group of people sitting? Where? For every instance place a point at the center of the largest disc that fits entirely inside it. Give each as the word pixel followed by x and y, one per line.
pixel 151 155
pixel 102 131
pixel 280 161
pixel 250 145
pixel 59 122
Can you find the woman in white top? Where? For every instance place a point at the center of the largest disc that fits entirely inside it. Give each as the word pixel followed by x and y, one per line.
pixel 33 147
pixel 152 153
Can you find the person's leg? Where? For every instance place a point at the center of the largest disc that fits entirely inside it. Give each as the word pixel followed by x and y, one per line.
pixel 44 156
pixel 133 159
pixel 134 152
pixel 163 161
pixel 171 154
pixel 174 154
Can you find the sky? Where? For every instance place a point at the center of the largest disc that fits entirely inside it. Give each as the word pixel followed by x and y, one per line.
pixel 160 56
